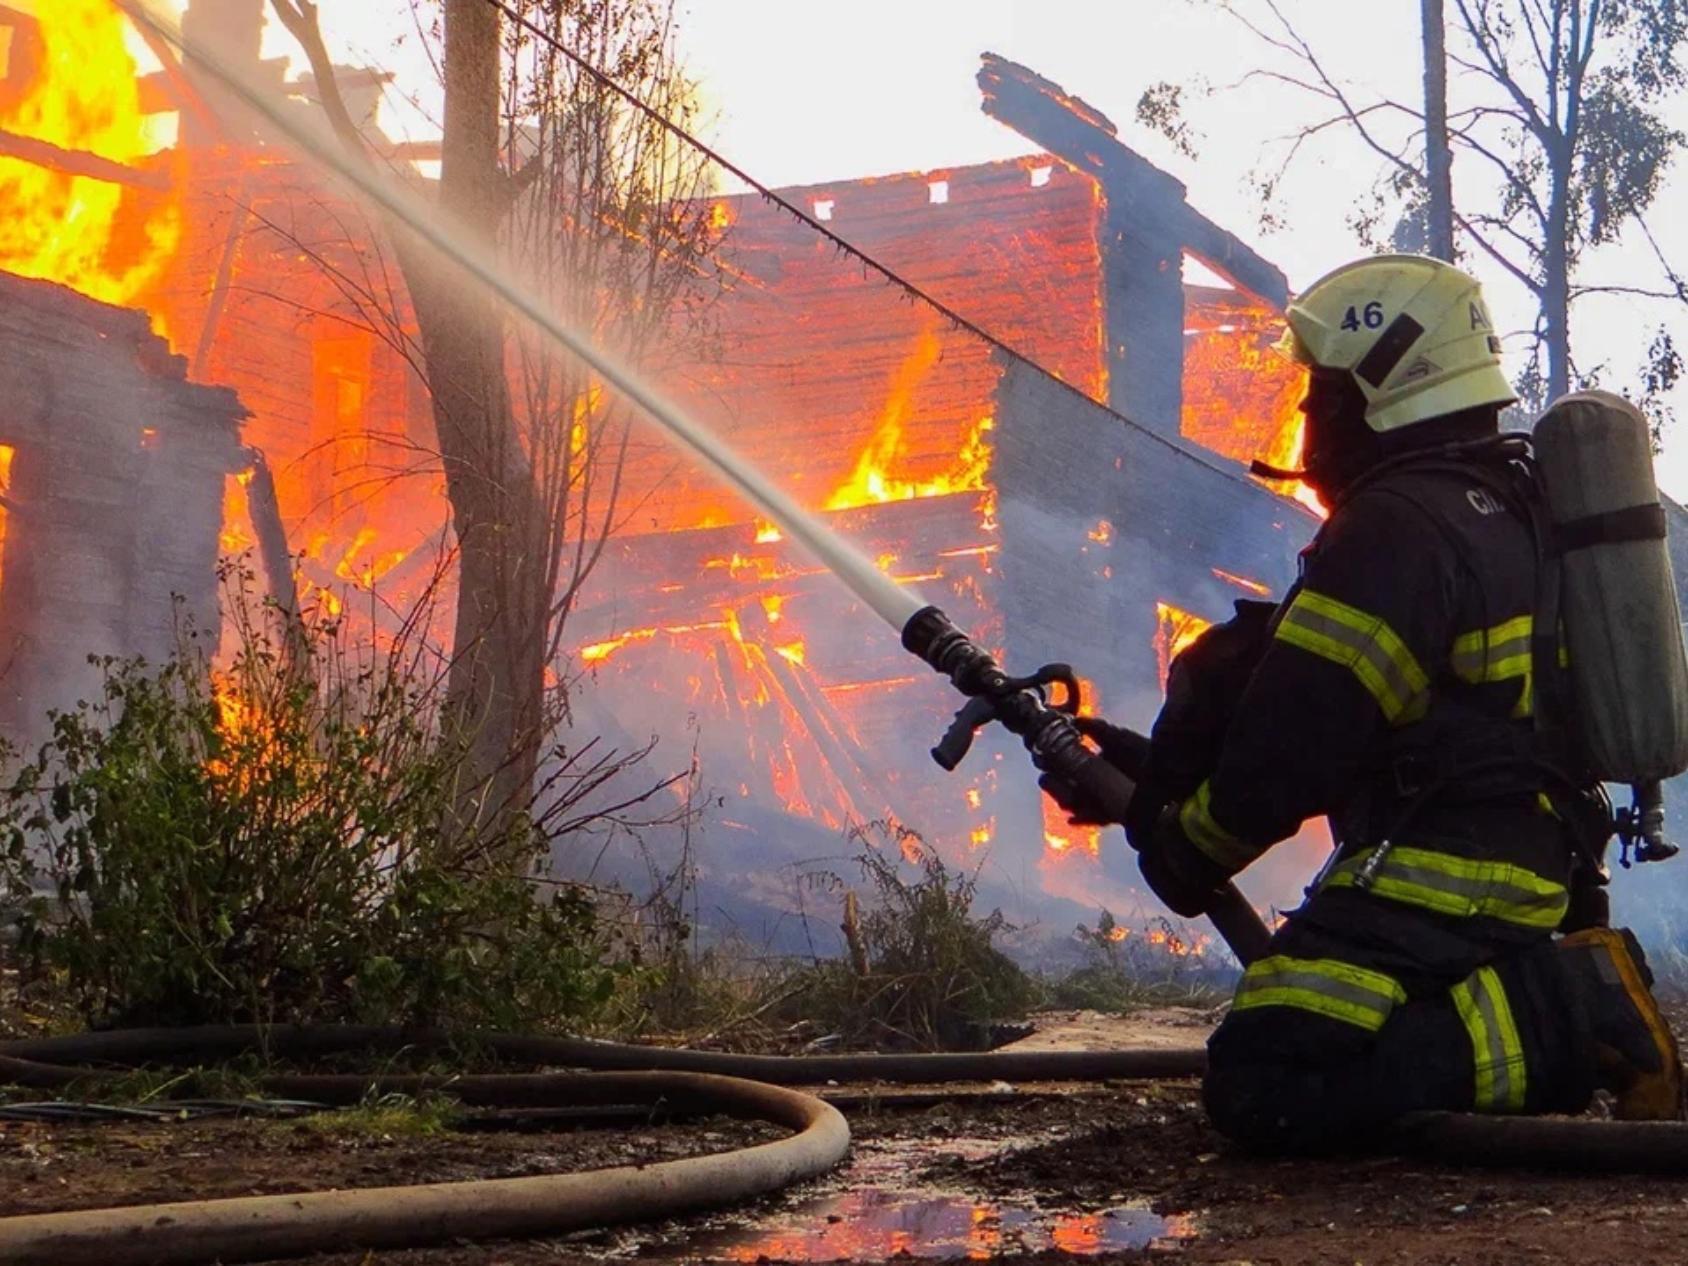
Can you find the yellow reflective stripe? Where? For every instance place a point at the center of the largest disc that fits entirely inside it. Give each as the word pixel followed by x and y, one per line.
pixel 1496 1050
pixel 1364 645
pixel 1501 653
pixel 1325 986
pixel 1200 828
pixel 1461 887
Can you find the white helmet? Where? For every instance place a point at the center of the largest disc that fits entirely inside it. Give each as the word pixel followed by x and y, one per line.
pixel 1413 331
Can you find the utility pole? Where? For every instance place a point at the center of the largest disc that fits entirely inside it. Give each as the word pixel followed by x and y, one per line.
pixel 1439 158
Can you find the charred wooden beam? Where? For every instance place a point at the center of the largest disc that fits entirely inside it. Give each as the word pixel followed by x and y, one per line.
pixel 74 162
pixel 1149 227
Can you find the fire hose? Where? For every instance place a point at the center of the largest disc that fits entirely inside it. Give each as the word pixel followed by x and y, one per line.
pixel 684 1081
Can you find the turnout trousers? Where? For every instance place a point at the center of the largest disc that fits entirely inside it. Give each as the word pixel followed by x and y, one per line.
pixel 1436 986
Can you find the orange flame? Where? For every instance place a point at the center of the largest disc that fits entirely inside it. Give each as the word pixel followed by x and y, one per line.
pixel 1175 629
pixel 83 98
pixel 872 482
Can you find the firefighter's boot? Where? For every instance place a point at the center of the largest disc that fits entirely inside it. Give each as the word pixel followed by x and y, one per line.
pixel 1635 1053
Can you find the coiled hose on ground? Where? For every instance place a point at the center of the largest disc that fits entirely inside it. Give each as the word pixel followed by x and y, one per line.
pixel 749 1086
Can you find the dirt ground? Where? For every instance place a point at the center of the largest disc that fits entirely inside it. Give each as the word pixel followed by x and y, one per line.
pixel 1116 1173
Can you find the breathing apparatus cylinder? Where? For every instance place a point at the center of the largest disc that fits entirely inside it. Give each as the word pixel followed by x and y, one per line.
pixel 1627 670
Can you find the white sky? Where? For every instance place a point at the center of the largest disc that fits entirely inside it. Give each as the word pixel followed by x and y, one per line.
pixel 806 92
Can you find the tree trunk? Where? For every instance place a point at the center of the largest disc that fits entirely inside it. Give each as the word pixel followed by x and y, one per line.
pixel 1556 274
pixel 1439 157
pixel 495 689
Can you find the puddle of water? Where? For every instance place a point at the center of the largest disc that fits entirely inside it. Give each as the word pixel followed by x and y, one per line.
pixel 875 1209
pixel 875 1224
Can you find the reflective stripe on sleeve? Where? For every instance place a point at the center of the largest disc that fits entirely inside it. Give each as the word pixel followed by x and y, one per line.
pixel 1195 816
pixel 1364 645
pixel 1326 986
pixel 1460 886
pixel 1501 653
pixel 1496 1050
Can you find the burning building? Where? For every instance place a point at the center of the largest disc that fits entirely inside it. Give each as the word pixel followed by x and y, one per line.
pixel 112 464
pixel 987 461
pixel 1058 468
pixel 1040 425
pixel 1061 472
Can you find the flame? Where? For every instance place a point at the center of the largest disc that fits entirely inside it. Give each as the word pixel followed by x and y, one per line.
pixel 1118 933
pixel 7 453
pixel 1242 582
pixel 1102 533
pixel 107 241
pixel 1175 629
pixel 767 533
pixel 873 483
pixel 1175 944
pixel 372 570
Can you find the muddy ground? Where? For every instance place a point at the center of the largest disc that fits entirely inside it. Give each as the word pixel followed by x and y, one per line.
pixel 1122 1172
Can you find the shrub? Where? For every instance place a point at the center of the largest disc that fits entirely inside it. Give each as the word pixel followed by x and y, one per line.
pixel 264 842
pixel 923 970
pixel 1154 966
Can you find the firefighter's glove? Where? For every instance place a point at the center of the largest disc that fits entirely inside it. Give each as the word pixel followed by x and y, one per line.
pixel 1125 750
pixel 1187 880
pixel 1081 806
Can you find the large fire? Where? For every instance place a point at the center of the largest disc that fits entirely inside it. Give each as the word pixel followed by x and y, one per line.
pixel 70 85
pixel 886 420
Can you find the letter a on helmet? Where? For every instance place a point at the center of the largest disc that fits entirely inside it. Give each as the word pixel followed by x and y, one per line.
pixel 1414 332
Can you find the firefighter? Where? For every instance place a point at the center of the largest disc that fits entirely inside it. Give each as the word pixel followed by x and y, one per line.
pixel 1392 693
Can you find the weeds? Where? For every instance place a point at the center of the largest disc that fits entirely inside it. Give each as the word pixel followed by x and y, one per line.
pixel 1127 970
pixel 267 842
pixel 385 1117
pixel 923 971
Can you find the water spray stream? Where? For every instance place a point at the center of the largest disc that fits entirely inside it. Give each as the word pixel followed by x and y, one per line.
pixel 895 604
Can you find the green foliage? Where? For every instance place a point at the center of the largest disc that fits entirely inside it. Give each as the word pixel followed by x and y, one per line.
pixel 384 1117
pixel 923 970
pixel 1126 970
pixel 265 843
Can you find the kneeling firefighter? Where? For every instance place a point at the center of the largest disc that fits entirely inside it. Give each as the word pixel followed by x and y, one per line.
pixel 1414 689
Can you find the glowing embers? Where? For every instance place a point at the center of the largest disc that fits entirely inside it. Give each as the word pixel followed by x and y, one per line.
pixel 236 536
pixel 70 82
pixel 1241 397
pixel 1175 629
pixel 363 563
pixel 1059 836
pixel 1178 944
pixel 879 475
pixel 7 454
pixel 747 675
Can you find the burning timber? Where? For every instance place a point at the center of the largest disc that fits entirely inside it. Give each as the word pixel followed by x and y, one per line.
pixel 114 466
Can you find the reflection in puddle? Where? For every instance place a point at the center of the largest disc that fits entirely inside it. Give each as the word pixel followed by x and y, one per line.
pixel 874 1224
